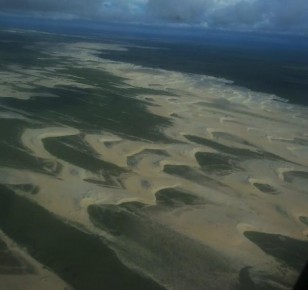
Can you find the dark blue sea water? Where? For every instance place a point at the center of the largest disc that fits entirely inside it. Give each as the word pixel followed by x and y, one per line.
pixel 275 64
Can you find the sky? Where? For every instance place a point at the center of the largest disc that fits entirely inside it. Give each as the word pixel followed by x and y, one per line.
pixel 257 15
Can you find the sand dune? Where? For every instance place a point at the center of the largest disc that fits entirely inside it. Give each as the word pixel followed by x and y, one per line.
pixel 241 156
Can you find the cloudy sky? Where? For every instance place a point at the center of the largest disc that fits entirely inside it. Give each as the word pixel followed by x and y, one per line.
pixel 266 15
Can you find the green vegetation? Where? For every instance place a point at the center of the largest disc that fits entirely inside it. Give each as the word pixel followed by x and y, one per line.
pixel 81 259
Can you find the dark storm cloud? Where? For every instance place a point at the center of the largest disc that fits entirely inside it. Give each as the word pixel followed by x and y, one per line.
pixel 41 5
pixel 276 15
pixel 119 10
pixel 235 14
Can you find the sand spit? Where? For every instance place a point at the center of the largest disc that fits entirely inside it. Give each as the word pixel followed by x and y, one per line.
pixel 226 172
